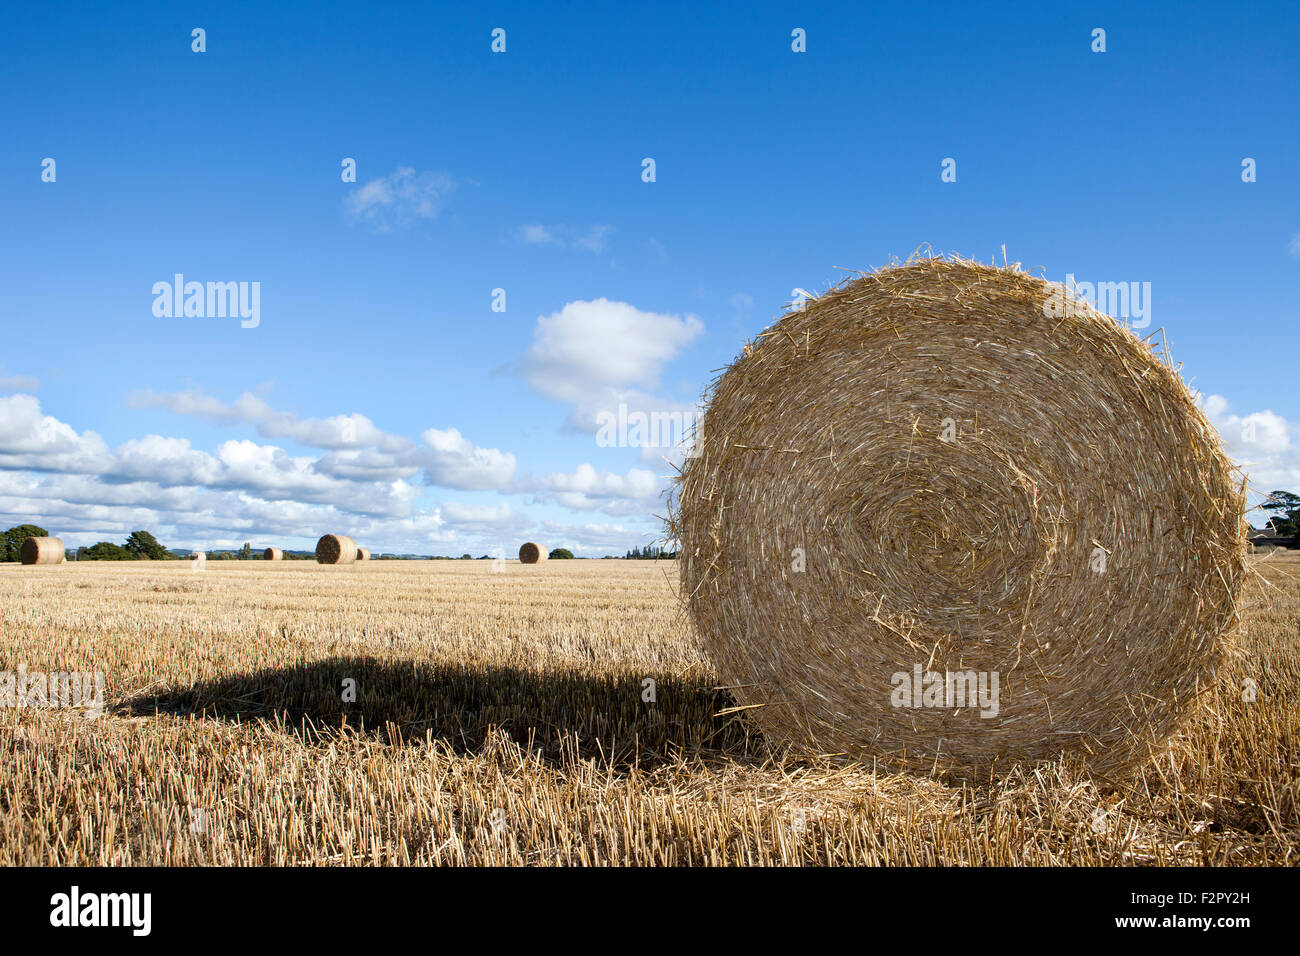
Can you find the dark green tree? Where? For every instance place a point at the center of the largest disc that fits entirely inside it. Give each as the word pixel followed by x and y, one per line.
pixel 1286 514
pixel 105 551
pixel 143 544
pixel 12 544
pixel 560 553
pixel 246 552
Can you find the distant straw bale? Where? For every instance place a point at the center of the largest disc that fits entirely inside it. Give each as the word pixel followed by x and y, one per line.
pixel 41 551
pixel 363 554
pixel 336 549
pixel 947 516
pixel 530 553
pixel 273 554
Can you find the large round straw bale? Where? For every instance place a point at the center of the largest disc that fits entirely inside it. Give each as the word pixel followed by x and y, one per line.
pixel 336 549
pixel 530 552
pixel 363 554
pixel 41 551
pixel 945 471
pixel 273 554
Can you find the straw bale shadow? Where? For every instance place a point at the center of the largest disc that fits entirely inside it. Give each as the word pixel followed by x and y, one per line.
pixel 462 704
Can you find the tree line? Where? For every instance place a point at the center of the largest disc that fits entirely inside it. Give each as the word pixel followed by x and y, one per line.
pixel 138 546
pixel 650 553
pixel 142 545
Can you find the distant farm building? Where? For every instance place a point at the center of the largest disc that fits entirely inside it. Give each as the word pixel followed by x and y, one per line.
pixel 1265 540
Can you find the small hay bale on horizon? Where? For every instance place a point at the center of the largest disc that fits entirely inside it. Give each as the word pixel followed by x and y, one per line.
pixel 273 554
pixel 530 552
pixel 363 554
pixel 41 551
pixel 336 549
pixel 948 518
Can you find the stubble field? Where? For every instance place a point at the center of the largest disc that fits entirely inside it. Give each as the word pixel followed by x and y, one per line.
pixel 501 718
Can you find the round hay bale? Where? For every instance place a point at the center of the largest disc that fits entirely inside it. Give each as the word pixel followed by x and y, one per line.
pixel 947 517
pixel 41 551
pixel 273 554
pixel 363 554
pixel 336 549
pixel 530 552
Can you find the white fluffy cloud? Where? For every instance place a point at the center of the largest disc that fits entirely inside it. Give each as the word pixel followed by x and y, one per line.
pixel 605 359
pixel 171 461
pixel 84 509
pixel 361 481
pixel 357 449
pixel 247 408
pixel 335 432
pixel 399 199
pixel 487 522
pixel 50 472
pixel 31 440
pixel 600 346
pixel 1264 444
pixel 453 461
pixel 367 465
pixel 638 491
pixel 602 356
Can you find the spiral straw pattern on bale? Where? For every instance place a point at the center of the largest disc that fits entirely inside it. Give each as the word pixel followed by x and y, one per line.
pixel 981 476
pixel 273 554
pixel 41 551
pixel 363 554
pixel 336 549
pixel 530 552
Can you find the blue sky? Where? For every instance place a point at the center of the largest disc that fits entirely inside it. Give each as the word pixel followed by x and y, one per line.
pixel 381 394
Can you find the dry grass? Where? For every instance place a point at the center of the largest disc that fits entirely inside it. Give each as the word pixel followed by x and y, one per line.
pixel 499 719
